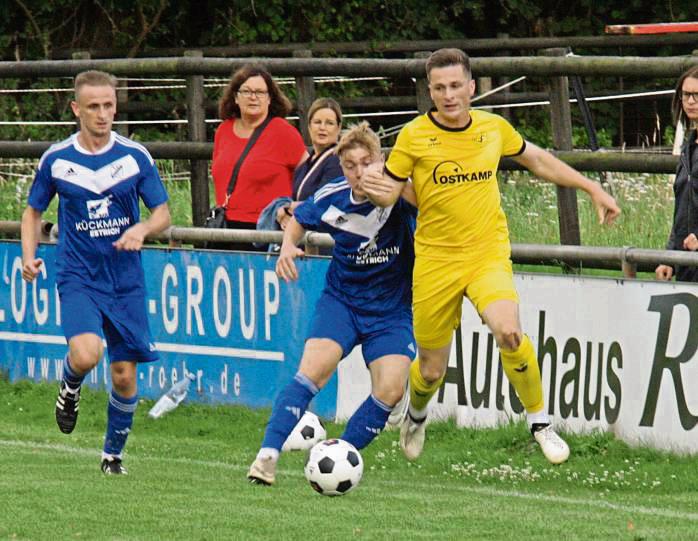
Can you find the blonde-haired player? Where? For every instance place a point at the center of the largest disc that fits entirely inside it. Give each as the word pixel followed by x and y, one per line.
pixel 462 240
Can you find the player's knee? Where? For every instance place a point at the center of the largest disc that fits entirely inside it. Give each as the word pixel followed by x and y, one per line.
pixel 85 357
pixel 123 380
pixel 390 393
pixel 509 338
pixel 432 372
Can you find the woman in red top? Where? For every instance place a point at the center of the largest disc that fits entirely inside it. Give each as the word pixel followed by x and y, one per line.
pixel 267 171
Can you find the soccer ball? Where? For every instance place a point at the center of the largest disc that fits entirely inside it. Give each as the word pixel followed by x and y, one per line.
pixel 334 467
pixel 305 434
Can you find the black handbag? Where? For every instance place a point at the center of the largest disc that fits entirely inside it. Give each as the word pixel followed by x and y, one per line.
pixel 216 215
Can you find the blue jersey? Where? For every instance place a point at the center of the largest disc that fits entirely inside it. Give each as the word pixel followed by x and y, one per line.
pixel 98 200
pixel 373 256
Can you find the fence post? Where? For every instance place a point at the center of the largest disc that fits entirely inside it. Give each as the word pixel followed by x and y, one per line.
pixel 305 87
pixel 196 123
pixel 121 101
pixel 484 84
pixel 504 111
pixel 80 55
pixel 422 87
pixel 561 124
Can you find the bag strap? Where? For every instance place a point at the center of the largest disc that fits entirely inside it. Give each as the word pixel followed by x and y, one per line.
pixel 318 161
pixel 236 170
pixel 689 186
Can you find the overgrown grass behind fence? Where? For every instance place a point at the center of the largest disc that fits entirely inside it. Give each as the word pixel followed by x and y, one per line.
pixel 531 205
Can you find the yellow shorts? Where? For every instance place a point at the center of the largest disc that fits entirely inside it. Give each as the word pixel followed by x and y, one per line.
pixel 438 292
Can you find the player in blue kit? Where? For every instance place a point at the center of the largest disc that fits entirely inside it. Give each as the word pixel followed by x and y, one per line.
pixel 366 300
pixel 99 177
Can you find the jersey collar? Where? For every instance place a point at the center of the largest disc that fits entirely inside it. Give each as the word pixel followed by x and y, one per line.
pixel 438 124
pixel 105 148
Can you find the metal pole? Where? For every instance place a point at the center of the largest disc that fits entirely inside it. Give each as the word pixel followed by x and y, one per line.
pixel 196 118
pixel 305 87
pixel 422 87
pixel 561 124
pixel 121 102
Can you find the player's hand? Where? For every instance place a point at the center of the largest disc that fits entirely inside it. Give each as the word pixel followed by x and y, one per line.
pixel 30 269
pixel 691 243
pixel 664 272
pixel 131 239
pixel 372 181
pixel 282 217
pixel 606 207
pixel 285 265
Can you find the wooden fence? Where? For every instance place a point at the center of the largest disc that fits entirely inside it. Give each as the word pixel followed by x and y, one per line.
pixel 554 65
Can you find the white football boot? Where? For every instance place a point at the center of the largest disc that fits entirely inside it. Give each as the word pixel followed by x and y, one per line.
pixel 553 446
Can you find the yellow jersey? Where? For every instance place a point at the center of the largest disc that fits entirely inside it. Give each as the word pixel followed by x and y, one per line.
pixel 454 172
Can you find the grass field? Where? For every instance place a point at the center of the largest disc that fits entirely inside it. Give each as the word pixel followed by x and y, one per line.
pixel 187 481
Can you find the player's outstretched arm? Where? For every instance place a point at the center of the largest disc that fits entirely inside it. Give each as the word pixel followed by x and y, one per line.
pixel 132 239
pixel 30 232
pixel 285 265
pixel 546 166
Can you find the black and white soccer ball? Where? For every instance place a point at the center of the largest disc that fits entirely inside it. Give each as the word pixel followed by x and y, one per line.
pixel 307 432
pixel 334 467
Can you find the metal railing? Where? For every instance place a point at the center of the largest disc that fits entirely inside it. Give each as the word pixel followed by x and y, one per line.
pixel 627 258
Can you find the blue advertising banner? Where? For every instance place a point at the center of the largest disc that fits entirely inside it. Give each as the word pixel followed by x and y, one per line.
pixel 226 318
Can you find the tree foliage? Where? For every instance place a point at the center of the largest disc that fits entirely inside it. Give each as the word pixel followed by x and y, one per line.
pixel 34 29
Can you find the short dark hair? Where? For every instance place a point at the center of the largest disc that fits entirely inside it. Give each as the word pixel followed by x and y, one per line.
pixel 443 58
pixel 676 105
pixel 279 104
pixel 325 103
pixel 93 78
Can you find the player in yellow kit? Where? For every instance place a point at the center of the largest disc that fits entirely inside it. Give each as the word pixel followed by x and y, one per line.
pixel 462 240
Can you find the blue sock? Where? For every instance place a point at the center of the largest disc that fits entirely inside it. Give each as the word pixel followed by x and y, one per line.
pixel 367 422
pixel 119 420
pixel 70 378
pixel 288 408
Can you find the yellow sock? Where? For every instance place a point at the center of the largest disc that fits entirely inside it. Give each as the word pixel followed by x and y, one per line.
pixel 521 367
pixel 421 391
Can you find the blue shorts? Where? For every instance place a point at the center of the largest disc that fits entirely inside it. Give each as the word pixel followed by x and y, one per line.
pixel 378 334
pixel 122 320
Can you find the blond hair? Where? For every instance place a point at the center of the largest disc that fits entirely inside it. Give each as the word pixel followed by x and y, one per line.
pixel 359 135
pixel 94 78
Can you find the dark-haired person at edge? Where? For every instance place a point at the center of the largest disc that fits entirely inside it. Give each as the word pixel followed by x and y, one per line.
pixel 267 171
pixel 684 230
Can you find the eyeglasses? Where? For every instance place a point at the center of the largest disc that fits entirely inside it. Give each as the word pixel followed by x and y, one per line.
pixel 247 93
pixel 685 96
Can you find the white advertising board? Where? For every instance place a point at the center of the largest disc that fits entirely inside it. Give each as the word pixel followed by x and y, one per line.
pixel 615 355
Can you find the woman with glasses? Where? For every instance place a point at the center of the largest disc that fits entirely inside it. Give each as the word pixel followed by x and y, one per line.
pixel 266 172
pixel 684 230
pixel 322 166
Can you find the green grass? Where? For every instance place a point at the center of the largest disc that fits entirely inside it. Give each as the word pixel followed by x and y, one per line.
pixel 187 481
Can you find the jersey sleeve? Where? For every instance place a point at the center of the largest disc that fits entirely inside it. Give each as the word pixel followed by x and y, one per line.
pixel 43 188
pixel 309 215
pixel 150 187
pixel 512 142
pixel 401 160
